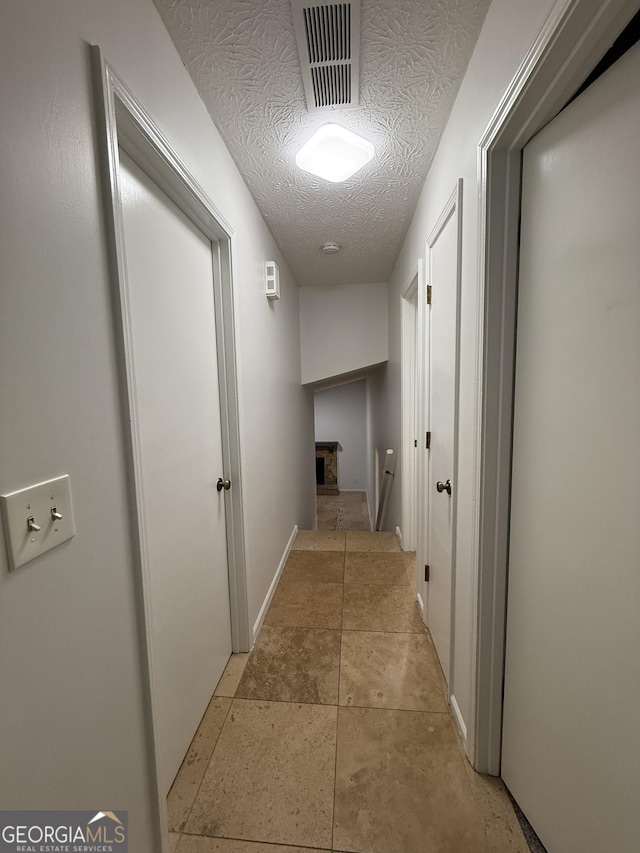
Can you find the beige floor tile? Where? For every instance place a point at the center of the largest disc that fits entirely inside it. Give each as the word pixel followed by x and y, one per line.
pixel 380 608
pixel 306 605
pixel 319 540
pixel 293 665
pixel 346 511
pixel 185 787
pixel 353 499
pixel 314 566
pixel 231 676
pixel 174 838
pixel 401 785
pixel 390 671
pixel 501 826
pixel 376 568
pixel 202 844
pixel 271 775
pixel 369 541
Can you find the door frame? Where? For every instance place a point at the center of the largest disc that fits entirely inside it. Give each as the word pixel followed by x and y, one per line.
pixel 423 348
pixel 410 403
pixel 575 36
pixel 123 123
pixel 451 210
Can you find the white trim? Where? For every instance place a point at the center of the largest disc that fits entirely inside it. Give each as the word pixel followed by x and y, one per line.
pixel 459 720
pixel 123 123
pixel 409 405
pixel 420 604
pixel 423 349
pixel 399 535
pixel 574 37
pixel 452 208
pixel 274 583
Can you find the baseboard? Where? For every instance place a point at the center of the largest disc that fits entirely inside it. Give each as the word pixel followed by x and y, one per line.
pixel 399 535
pixel 420 605
pixel 369 511
pixel 274 584
pixel 459 721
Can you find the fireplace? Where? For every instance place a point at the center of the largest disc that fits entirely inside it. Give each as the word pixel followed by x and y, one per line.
pixel 327 468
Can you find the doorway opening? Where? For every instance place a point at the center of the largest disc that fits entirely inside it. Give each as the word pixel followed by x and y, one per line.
pixel 576 34
pixel 147 188
pixel 344 462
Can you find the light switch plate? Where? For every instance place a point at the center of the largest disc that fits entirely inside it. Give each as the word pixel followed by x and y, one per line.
pixel 38 503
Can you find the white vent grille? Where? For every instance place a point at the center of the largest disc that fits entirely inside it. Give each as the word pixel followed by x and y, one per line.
pixel 328 31
pixel 328 36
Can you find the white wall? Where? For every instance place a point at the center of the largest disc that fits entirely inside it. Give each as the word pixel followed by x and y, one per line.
pixel 342 329
pixel 341 415
pixel 509 29
pixel 72 704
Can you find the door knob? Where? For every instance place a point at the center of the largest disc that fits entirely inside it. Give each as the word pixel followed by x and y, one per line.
pixel 223 484
pixel 444 487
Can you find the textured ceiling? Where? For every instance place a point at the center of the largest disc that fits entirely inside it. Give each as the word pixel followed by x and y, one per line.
pixel 243 59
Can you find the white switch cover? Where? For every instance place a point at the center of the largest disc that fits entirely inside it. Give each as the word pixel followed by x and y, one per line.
pixel 37 507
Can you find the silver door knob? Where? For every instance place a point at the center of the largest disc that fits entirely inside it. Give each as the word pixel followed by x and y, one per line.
pixel 444 487
pixel 223 484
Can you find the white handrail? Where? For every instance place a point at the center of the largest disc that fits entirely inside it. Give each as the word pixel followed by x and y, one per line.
pixel 387 480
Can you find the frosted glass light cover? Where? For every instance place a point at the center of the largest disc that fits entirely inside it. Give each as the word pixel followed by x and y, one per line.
pixel 334 153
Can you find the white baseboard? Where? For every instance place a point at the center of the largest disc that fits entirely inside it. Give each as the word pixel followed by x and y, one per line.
pixel 369 511
pixel 399 535
pixel 274 584
pixel 458 718
pixel 420 605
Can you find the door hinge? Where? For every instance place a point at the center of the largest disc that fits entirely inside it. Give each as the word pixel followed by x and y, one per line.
pixel 428 440
pixel 415 442
pixel 429 291
pixel 426 573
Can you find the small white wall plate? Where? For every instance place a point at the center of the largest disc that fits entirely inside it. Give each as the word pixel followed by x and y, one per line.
pixel 31 522
pixel 272 280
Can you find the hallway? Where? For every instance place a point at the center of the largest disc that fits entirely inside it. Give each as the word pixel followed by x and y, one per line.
pixel 334 733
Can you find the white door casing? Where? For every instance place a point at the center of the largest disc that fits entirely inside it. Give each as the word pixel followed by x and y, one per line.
pixel 409 415
pixel 124 124
pixel 573 38
pixel 177 423
pixel 443 275
pixel 423 495
pixel 572 683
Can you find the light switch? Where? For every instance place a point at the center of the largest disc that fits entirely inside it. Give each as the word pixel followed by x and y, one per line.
pixel 37 519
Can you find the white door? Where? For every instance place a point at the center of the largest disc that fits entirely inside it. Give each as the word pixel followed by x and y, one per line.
pixel 571 748
pixel 177 424
pixel 444 278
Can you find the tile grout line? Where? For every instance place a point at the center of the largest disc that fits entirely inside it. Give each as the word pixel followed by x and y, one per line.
pixel 337 705
pixel 204 772
pixel 335 765
pixel 256 841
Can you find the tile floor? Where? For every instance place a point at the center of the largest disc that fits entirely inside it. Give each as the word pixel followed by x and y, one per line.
pixel 345 511
pixel 334 733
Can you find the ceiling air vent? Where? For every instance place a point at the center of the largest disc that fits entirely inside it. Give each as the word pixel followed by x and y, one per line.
pixel 328 37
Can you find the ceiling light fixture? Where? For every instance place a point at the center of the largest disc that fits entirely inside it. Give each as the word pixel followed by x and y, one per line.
pixel 334 153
